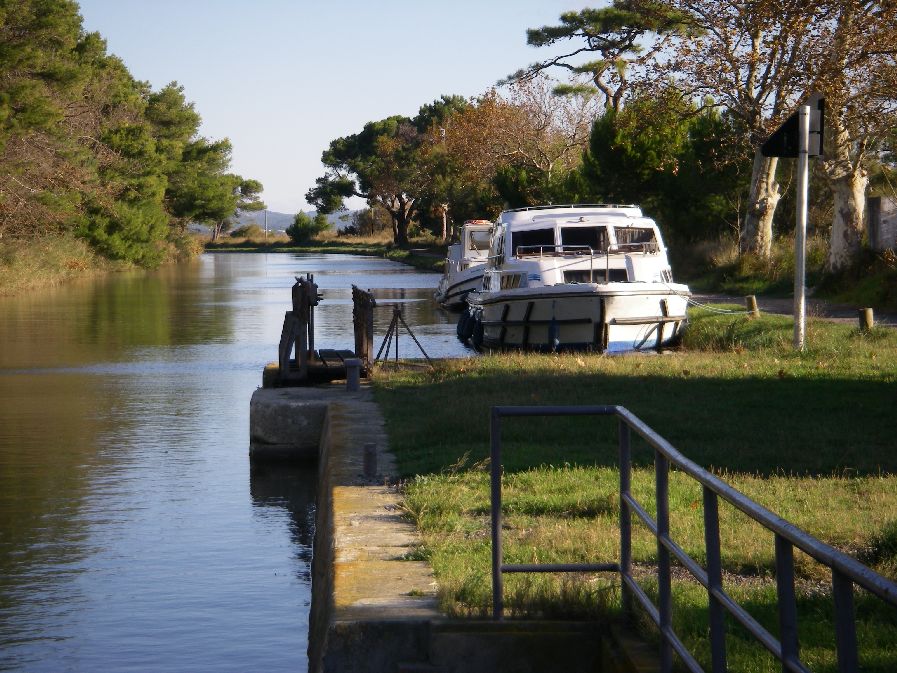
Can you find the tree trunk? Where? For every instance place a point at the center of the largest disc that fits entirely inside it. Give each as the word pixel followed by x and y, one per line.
pixel 216 230
pixel 395 228
pixel 401 229
pixel 756 235
pixel 848 181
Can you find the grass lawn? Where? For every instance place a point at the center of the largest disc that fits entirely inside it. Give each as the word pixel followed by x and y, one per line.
pixel 808 435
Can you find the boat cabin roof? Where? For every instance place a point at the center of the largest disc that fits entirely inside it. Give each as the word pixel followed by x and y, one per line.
pixel 521 218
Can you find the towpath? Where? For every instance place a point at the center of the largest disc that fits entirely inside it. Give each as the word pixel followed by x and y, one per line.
pixel 815 308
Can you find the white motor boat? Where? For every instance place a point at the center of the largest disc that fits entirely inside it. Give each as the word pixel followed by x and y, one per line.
pixel 576 277
pixel 464 265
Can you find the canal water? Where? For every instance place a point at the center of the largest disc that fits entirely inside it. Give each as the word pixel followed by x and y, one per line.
pixel 134 534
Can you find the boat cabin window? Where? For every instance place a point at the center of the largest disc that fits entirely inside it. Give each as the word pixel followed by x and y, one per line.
pixel 532 242
pixel 578 237
pixel 496 247
pixel 478 240
pixel 640 237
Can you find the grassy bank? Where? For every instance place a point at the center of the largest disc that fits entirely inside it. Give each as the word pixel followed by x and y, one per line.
pixel 808 435
pixel 55 260
pixel 716 266
pixel 422 253
pixel 47 262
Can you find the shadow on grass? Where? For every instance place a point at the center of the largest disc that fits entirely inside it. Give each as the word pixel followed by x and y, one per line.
pixel 765 426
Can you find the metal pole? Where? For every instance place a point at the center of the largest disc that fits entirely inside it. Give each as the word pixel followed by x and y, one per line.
pixel 714 581
pixel 495 479
pixel 395 320
pixel 664 570
pixel 625 516
pixel 845 623
pixel 800 232
pixel 787 602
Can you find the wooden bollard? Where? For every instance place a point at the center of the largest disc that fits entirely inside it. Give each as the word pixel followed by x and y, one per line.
pixel 867 319
pixel 751 303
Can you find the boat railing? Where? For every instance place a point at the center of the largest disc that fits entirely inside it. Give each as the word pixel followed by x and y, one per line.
pixel 561 251
pixel 582 250
pixel 846 572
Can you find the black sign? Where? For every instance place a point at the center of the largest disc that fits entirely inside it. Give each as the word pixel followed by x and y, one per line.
pixel 785 142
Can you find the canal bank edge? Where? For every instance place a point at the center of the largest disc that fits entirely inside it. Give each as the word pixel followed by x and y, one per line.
pixel 370 606
pixel 372 610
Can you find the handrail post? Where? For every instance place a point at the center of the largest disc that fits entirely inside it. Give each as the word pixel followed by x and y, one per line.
pixel 625 515
pixel 495 469
pixel 845 624
pixel 714 581
pixel 664 580
pixel 787 601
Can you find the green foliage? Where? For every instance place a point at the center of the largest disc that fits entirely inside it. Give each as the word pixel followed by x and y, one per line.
pixel 869 281
pixel 94 152
pixel 684 168
pixel 394 163
pixel 126 231
pixel 752 274
pixel 305 227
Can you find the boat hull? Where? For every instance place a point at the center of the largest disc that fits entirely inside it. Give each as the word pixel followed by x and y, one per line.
pixel 452 291
pixel 593 316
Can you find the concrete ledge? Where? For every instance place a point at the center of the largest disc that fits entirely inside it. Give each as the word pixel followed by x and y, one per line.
pixel 284 425
pixel 371 608
pixel 372 611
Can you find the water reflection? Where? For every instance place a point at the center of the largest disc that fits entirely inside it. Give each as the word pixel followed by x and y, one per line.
pixel 133 535
pixel 291 489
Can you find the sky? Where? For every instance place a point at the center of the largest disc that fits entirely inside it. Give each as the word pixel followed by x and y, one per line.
pixel 282 78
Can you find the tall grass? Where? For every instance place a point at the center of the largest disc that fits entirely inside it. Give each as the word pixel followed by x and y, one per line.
pixel 719 267
pixel 47 261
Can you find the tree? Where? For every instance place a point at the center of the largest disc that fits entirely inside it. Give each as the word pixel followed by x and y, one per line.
pixel 382 165
pixel 617 34
pixel 442 185
pixel 745 57
pixel 201 190
pixel 520 148
pixel 86 149
pixel 42 97
pixel 674 161
pixel 856 71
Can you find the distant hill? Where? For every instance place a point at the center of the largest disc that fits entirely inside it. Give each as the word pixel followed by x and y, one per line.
pixel 276 221
pixel 280 221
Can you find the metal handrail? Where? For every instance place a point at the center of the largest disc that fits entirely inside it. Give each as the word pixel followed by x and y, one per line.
pixel 846 571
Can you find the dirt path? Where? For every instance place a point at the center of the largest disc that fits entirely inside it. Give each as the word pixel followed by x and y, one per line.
pixel 815 308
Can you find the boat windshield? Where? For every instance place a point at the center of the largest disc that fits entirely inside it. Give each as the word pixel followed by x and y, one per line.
pixel 636 236
pixel 593 237
pixel 532 242
pixel 478 240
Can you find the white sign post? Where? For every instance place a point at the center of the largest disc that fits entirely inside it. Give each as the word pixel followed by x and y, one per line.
pixel 793 140
pixel 800 230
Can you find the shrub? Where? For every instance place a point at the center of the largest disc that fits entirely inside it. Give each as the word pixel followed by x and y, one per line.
pixel 304 227
pixel 248 231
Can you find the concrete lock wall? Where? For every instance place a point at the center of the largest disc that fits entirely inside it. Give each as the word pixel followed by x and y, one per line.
pixel 372 610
